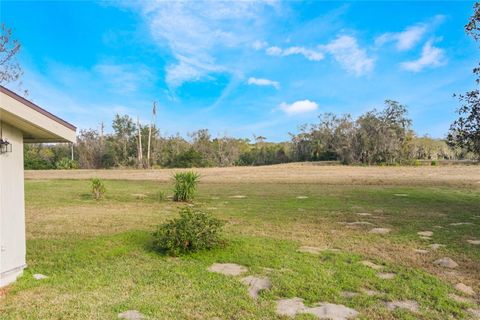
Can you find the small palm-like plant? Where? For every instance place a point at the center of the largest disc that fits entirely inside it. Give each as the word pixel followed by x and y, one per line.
pixel 185 185
pixel 98 188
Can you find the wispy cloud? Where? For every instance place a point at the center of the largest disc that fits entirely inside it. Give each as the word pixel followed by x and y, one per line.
pixel 312 55
pixel 263 82
pixel 411 36
pixel 195 32
pixel 431 57
pixel 346 51
pixel 298 107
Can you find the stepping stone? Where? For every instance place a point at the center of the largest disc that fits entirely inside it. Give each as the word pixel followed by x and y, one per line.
pixel 386 276
pixel 371 265
pixel 380 230
pixel 425 238
pixel 255 285
pixel 290 307
pixel 421 251
pixel 131 315
pixel 475 242
pixel 360 223
pixel 438 227
pixel 465 289
pixel 460 223
pixel 369 292
pixel 312 250
pixel 302 197
pixel 401 195
pixel 436 246
pixel 229 269
pixel 238 197
pixel 425 233
pixel 364 214
pixel 474 312
pixel 410 305
pixel 332 311
pixel 460 299
pixel 348 294
pixel 446 262
pixel 294 306
pixel 38 276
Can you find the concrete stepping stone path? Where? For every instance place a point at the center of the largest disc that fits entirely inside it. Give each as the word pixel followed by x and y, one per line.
pixel 363 214
pixel 460 299
pixel 255 285
pixel 370 292
pixel 420 251
pixel 380 230
pixel 371 265
pixel 238 196
pixel 475 242
pixel 425 233
pixel 359 223
pixel 302 197
pixel 436 246
pixel 348 294
pixel 311 250
pixel 461 223
pixel 294 306
pixel 475 313
pixel 410 305
pixel 229 269
pixel 463 288
pixel 446 262
pixel 131 315
pixel 38 276
pixel 386 275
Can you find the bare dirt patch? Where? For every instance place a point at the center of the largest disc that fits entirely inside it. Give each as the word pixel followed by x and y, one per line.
pixel 290 173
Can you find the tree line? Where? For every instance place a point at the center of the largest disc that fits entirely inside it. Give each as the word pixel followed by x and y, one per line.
pixel 376 137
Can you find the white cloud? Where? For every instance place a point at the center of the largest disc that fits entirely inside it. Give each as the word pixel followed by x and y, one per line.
pixel 310 54
pixel 299 107
pixel 411 36
pixel 431 57
pixel 122 78
pixel 346 51
pixel 263 82
pixel 259 45
pixel 196 31
pixel 404 40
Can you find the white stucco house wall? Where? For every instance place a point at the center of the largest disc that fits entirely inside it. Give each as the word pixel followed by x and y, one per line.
pixel 21 121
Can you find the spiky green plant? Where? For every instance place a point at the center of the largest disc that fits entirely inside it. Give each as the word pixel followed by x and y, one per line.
pixel 185 185
pixel 98 188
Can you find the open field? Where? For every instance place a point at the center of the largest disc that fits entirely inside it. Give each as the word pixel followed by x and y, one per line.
pixel 466 175
pixel 99 261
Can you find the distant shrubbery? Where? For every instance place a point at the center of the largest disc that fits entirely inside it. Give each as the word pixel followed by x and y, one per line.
pixel 192 231
pixel 375 137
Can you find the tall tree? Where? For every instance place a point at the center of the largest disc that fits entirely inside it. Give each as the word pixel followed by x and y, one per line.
pixel 465 131
pixel 10 70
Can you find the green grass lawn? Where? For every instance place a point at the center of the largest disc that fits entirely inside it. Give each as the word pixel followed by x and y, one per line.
pixel 98 257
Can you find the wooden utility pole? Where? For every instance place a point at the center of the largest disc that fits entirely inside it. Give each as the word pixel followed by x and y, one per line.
pixel 154 111
pixel 140 151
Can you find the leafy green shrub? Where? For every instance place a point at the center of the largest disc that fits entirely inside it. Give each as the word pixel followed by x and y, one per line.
pixel 66 164
pixel 192 231
pixel 434 163
pixel 98 188
pixel 185 185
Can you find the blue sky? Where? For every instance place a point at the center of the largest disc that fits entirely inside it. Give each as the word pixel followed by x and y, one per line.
pixel 243 68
